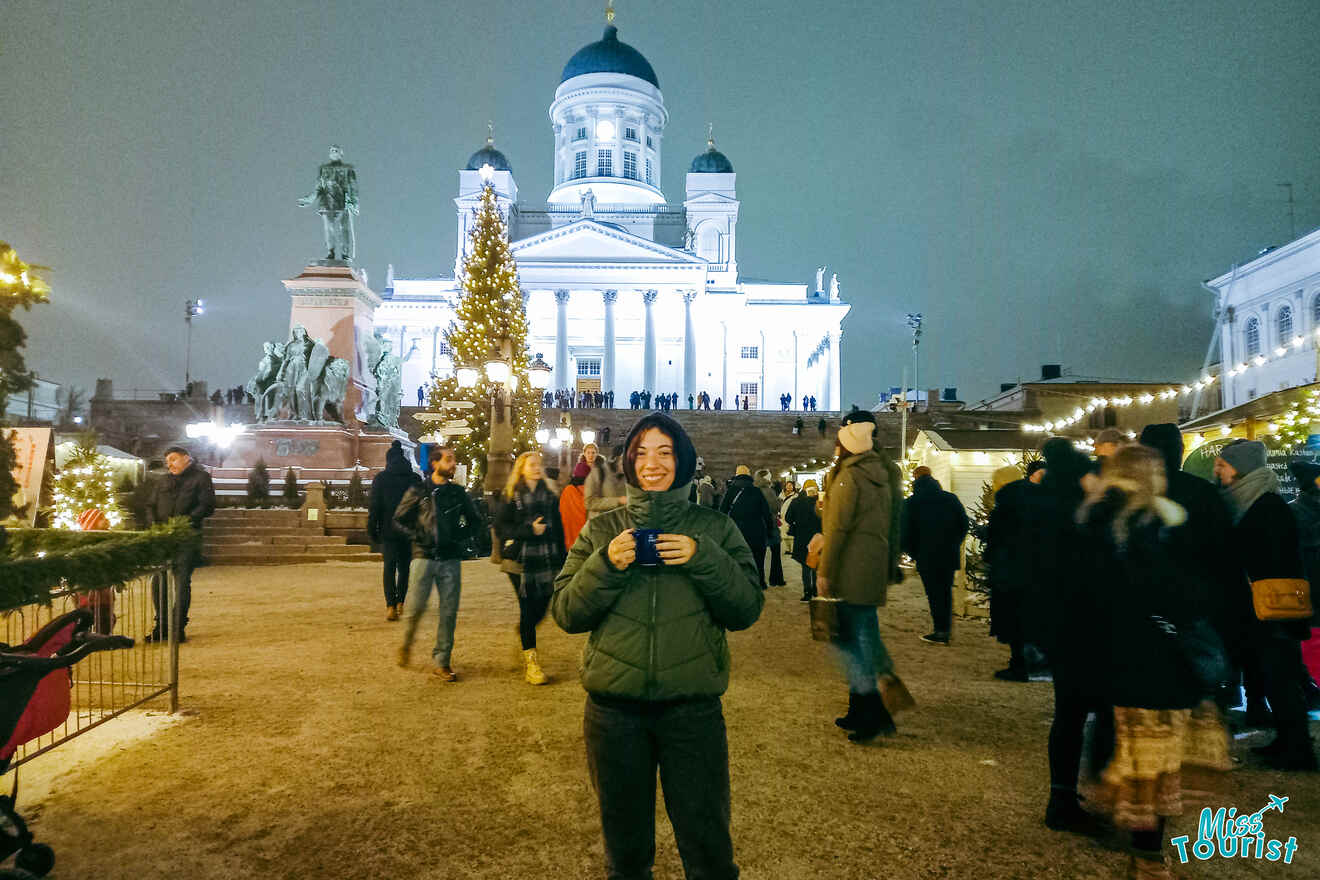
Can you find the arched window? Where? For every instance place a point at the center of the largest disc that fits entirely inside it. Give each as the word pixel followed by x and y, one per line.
pixel 1253 337
pixel 1284 322
pixel 1315 310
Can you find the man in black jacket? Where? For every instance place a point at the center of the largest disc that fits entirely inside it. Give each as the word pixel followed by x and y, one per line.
pixel 185 491
pixel 750 512
pixel 440 519
pixel 934 525
pixel 387 489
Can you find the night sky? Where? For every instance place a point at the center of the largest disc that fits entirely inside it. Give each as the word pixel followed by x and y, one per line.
pixel 1046 180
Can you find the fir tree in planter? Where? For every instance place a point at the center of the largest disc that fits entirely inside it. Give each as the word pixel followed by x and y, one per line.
pixel 291 497
pixel 86 482
pixel 357 497
pixel 258 484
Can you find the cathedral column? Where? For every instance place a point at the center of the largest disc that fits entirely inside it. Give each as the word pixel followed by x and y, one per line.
pixel 689 347
pixel 833 393
pixel 648 347
pixel 797 399
pixel 607 362
pixel 561 339
pixel 724 365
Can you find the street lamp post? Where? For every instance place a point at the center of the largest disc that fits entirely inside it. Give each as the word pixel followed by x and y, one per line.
pixel 914 322
pixel 191 309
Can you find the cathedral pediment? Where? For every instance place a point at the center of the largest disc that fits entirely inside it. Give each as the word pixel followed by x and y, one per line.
pixel 711 200
pixel 589 241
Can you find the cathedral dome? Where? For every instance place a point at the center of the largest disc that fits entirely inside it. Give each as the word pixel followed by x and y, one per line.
pixel 488 155
pixel 711 162
pixel 609 55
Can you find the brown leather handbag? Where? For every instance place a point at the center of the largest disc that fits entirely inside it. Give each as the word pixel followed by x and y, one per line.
pixel 1281 599
pixel 813 554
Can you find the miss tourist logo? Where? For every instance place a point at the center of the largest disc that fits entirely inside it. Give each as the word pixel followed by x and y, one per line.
pixel 1225 834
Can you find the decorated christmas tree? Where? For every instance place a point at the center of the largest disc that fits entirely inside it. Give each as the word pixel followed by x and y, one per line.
pixel 20 285
pixel 86 482
pixel 490 309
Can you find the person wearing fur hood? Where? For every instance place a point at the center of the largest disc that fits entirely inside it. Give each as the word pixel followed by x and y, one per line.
pixel 1136 598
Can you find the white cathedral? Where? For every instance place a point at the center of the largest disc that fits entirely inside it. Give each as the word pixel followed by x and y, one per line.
pixel 624 290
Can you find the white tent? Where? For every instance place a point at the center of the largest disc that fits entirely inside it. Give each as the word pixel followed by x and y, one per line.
pixel 121 463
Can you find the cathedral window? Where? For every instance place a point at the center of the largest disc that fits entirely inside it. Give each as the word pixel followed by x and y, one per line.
pixel 1315 310
pixel 580 164
pixel 588 366
pixel 604 163
pixel 445 350
pixel 749 352
pixel 580 134
pixel 1284 323
pixel 1253 337
pixel 748 390
pixel 630 165
pixel 629 133
pixel 649 180
pixel 649 144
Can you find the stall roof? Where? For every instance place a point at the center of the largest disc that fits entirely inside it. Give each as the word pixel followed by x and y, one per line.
pixel 1264 407
pixel 959 440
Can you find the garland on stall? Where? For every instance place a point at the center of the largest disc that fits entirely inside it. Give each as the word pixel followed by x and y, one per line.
pixel 35 562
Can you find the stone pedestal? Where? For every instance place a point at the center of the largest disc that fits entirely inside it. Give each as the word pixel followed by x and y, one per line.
pixel 335 304
pixel 320 452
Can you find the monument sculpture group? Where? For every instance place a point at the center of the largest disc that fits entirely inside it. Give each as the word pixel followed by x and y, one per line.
pixel 326 398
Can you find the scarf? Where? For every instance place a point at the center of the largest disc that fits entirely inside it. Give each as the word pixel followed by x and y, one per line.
pixel 542 555
pixel 1247 490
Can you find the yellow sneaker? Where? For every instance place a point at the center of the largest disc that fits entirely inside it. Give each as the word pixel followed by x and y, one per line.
pixel 392 612
pixel 532 671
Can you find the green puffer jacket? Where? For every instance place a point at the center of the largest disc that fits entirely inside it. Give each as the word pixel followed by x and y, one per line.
pixel 658 633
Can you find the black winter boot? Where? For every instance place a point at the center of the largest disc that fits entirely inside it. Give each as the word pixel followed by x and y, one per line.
pixel 1065 813
pixel 849 721
pixel 873 719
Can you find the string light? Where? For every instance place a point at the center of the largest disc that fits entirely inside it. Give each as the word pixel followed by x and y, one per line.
pixel 1121 402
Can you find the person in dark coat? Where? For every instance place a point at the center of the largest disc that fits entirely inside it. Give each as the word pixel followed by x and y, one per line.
pixel 1139 593
pixel 1054 609
pixel 1012 539
pixel 934 526
pixel 804 524
pixel 1264 537
pixel 1203 545
pixel 746 506
pixel 387 489
pixel 186 491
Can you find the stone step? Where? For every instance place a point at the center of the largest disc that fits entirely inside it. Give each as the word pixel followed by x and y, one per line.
pixel 275 540
pixel 308 558
pixel 241 514
pixel 287 551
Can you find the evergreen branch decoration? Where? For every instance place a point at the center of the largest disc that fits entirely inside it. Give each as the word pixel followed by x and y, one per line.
pixel 37 561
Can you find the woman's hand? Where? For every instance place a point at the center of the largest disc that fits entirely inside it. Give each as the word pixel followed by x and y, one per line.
pixel 675 549
pixel 622 551
pixel 816 543
pixel 539 526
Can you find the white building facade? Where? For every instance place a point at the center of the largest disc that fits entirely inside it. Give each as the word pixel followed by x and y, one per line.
pixel 626 291
pixel 1269 328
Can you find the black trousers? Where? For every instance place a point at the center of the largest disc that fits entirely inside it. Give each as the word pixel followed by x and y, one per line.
pixel 758 553
pixel 183 567
pixel 531 611
pixel 398 556
pixel 808 581
pixel 686 741
pixel 1074 700
pixel 1279 659
pixel 776 565
pixel 939 593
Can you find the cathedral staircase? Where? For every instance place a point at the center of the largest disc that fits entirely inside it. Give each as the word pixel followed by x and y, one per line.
pixel 236 536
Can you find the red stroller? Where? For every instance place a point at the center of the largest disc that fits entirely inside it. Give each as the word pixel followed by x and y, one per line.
pixel 34 699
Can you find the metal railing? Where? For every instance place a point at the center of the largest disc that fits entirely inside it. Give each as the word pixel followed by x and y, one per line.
pixel 106 684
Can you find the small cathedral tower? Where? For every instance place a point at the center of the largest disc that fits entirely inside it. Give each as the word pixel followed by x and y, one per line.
pixel 712 212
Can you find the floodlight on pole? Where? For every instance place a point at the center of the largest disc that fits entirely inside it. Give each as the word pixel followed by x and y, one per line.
pixel 191 309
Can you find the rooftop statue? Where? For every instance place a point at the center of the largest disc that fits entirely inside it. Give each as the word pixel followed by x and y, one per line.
pixel 336 200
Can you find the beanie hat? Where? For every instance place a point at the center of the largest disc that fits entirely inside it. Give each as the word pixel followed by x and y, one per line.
pixel 858 415
pixel 395 452
pixel 857 435
pixel 1009 473
pixel 1110 435
pixel 742 471
pixel 1244 455
pixel 1305 473
pixel 685 454
pixel 810 487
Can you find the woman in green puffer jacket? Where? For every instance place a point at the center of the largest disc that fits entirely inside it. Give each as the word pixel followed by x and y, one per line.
pixel 657 660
